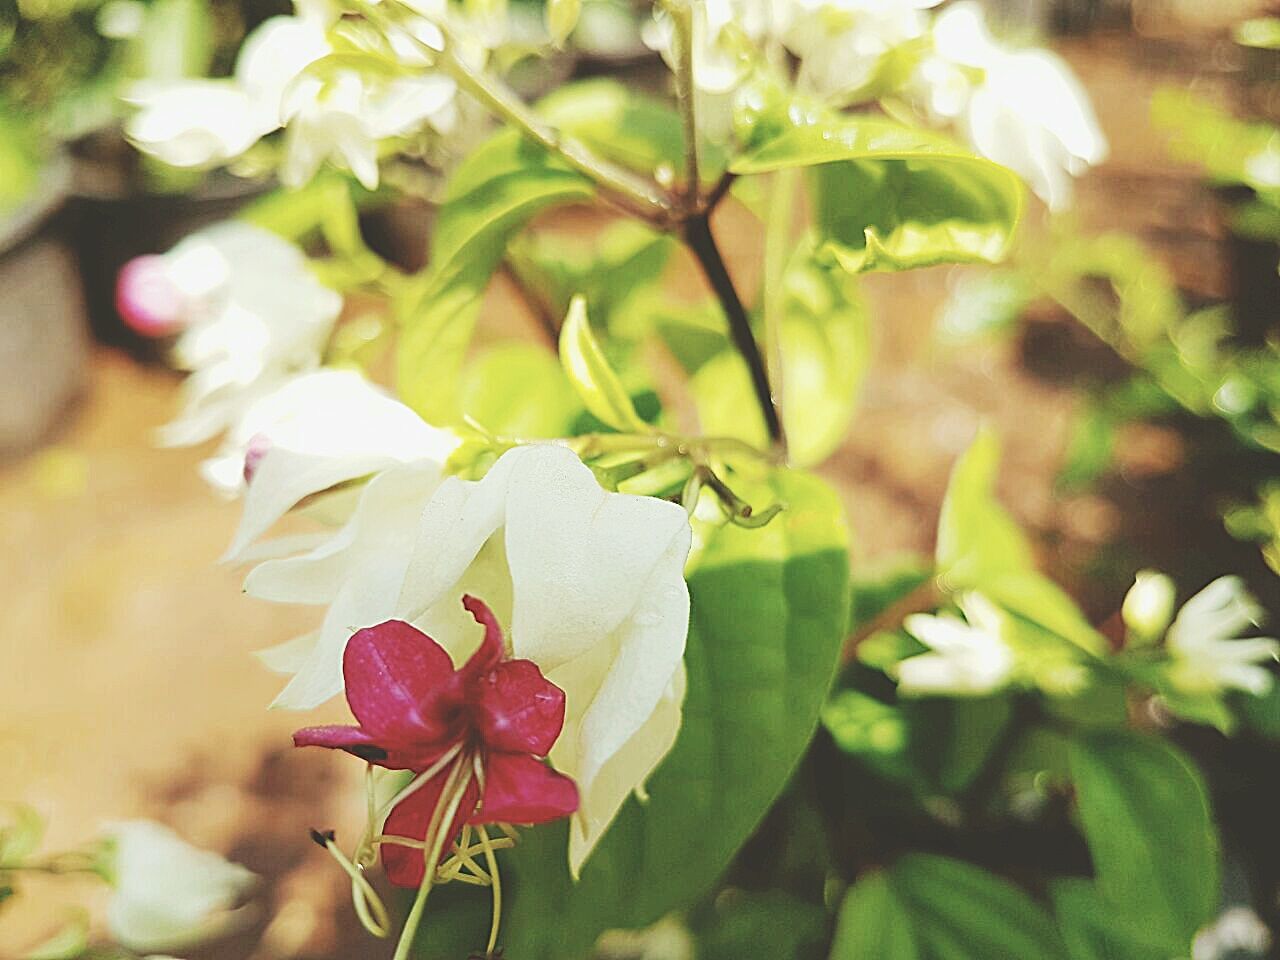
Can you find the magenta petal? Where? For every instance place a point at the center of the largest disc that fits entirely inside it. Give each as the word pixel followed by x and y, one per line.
pixel 521 789
pixel 400 683
pixel 335 737
pixel 489 654
pixel 518 710
pixel 405 866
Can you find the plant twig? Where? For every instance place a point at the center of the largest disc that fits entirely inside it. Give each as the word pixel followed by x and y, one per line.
pixel 698 236
pixel 922 599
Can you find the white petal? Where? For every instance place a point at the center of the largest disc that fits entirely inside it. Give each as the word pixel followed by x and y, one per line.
pixel 288 657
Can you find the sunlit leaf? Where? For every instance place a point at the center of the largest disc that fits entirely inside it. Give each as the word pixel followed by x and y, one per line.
pixel 597 385
pixel 874 924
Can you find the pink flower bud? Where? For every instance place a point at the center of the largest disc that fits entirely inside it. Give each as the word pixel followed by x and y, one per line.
pixel 148 301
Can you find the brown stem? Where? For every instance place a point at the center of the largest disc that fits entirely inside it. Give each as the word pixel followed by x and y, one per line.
pixel 698 236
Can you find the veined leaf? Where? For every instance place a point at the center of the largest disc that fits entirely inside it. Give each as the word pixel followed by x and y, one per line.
pixel 891 197
pixel 1146 817
pixel 769 609
pixel 961 912
pixel 599 387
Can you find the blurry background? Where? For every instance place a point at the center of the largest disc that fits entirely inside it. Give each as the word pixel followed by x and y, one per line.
pixel 127 687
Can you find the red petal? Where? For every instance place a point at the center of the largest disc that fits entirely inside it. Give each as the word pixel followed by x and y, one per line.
pixel 521 789
pixel 405 866
pixel 518 710
pixel 360 744
pixel 489 654
pixel 400 684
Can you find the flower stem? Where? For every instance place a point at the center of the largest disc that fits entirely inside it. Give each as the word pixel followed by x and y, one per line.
pixel 698 236
pixel 681 13
pixel 635 193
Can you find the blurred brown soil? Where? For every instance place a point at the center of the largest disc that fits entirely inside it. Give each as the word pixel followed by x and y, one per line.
pixel 127 686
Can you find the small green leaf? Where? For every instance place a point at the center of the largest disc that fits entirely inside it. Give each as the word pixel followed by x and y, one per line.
pixel 769 612
pixel 601 391
pixel 21 837
pixel 961 912
pixel 980 547
pixel 874 924
pixel 562 17
pixel 891 197
pixel 1145 814
pixel 1261 32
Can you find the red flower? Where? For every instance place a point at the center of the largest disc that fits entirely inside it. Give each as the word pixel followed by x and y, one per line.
pixel 496 717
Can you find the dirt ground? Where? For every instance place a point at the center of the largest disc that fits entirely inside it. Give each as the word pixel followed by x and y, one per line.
pixel 128 689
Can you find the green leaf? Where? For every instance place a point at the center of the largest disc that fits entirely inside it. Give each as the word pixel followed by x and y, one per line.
pixel 519 390
pixel 1261 32
pixel 1094 931
pixel 771 924
pixel 891 197
pixel 21 837
pixel 825 346
pixel 601 391
pixel 980 547
pixel 961 912
pixel 491 196
pixel 875 732
pixel 769 611
pixel 873 923
pixel 1145 814
pixel 562 17
pixel 621 125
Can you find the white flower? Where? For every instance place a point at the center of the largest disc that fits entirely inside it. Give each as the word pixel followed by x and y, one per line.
pixel 321 428
pixel 341 115
pixel 168 894
pixel 1148 606
pixel 842 42
pixel 252 315
pixel 1236 929
pixel 966 659
pixel 1207 655
pixel 720 58
pixel 1024 109
pixel 589 584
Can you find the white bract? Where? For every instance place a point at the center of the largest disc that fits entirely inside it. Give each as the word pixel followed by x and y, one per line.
pixel 589 584
pixel 168 894
pixel 1204 643
pixel 1024 109
pixel 841 43
pixel 967 657
pixel 252 316
pixel 332 113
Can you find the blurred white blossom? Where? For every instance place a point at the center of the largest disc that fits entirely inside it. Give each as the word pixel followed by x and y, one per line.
pixel 589 583
pixel 1024 109
pixel 251 313
pixel 337 113
pixel 168 894
pixel 1204 643
pixel 1236 929
pixel 1148 606
pixel 967 657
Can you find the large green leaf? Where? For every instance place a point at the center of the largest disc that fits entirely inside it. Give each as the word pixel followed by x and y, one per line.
pixel 825 346
pixel 1146 817
pixel 891 197
pixel 873 924
pixel 769 614
pixel 518 389
pixel 773 924
pixel 961 912
pixel 491 196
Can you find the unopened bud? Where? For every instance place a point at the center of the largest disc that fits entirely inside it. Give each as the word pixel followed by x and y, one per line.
pixel 1148 607
pixel 147 299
